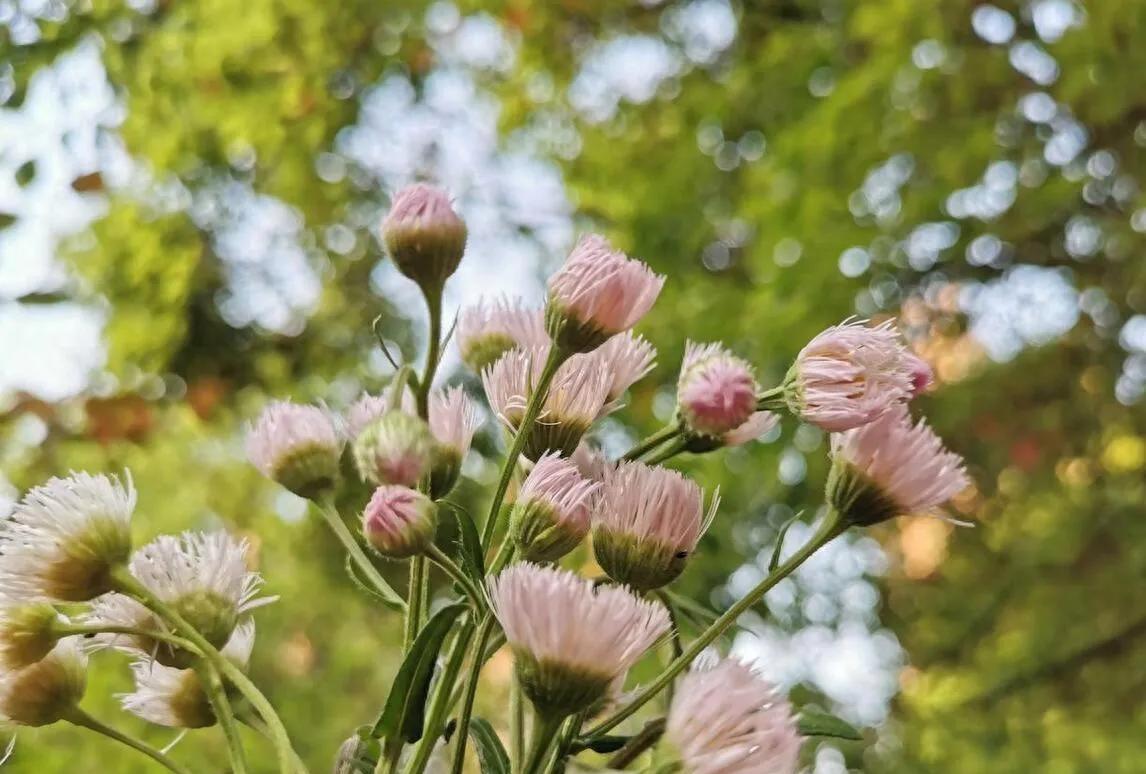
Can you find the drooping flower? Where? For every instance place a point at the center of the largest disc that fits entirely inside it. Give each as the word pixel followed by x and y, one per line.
pixel 297 446
pixel 424 235
pixel 399 522
pixel 849 375
pixel 551 515
pixel 646 524
pixel 46 691
pixel 28 632
pixel 65 538
pixel 454 418
pixel 724 719
pixel 891 467
pixel 167 696
pixel 599 292
pixel 571 639
pixel 396 448
pixel 628 358
pixel 488 330
pixel 716 392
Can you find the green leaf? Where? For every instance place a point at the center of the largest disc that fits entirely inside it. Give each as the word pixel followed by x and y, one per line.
pixel 817 723
pixel 356 578
pixel 491 754
pixel 404 713
pixel 469 543
pixel 780 542
pixel 693 610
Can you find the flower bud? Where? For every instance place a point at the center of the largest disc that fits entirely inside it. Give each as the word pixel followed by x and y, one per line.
pixel 551 515
pixel 46 691
pixel 296 446
pixel 27 632
pixel 399 522
pixel 486 331
pixel 716 392
pixel 424 235
pixel 396 448
pixel 454 418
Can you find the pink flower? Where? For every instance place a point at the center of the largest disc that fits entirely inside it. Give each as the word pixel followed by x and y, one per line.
pixel 849 375
pixel 647 523
pixel 424 235
pixel 598 293
pixel 487 331
pixel 757 425
pixel 590 461
pixel 370 407
pixel 889 468
pixel 396 448
pixel 454 418
pixel 399 522
pixel 297 446
pixel 921 374
pixel 628 358
pixel 716 391
pixel 724 719
pixel 570 638
pixel 551 516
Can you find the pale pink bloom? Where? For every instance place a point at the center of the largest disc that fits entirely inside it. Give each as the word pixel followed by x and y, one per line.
pixel 454 418
pixel 849 375
pixel 487 330
pixel 757 425
pixel 716 391
pixel 558 617
pixel 629 358
pixel 724 719
pixel 590 461
pixel 370 407
pixel 397 448
pixel 556 483
pixel 600 292
pixel 286 430
pixel 921 374
pixel 653 505
pixel 906 462
pixel 398 521
pixel 421 204
pixel 423 234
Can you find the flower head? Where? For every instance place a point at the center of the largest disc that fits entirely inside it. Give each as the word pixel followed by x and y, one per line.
pixel 628 358
pixel 28 632
pixel 552 513
pixel 890 467
pixel 488 330
pixel 598 293
pixel 647 523
pixel 571 639
pixel 716 392
pixel 368 408
pixel 46 691
pixel 297 446
pixel 65 537
pixel 454 418
pixel 396 448
pixel 724 719
pixel 424 235
pixel 849 375
pixel 399 522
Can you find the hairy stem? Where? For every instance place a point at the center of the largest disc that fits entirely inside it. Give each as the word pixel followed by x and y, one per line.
pixel 544 732
pixel 414 602
pixel 358 556
pixel 457 574
pixel 643 740
pixel 667 452
pixel 78 717
pixel 434 306
pixel 217 695
pixel 440 701
pixel 70 630
pixel 516 724
pixel 471 684
pixel 646 445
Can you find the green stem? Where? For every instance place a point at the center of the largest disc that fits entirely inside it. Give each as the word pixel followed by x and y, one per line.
pixel 414 602
pixel 70 630
pixel 565 738
pixel 544 731
pixel 434 306
pixel 451 568
pixel 389 597
pixel 771 399
pixel 653 441
pixel 471 684
pixel 516 724
pixel 440 702
pixel 832 526
pixel 643 740
pixel 217 696
pixel 78 717
pixel 503 557
pixel 532 409
pixel 677 644
pixel 667 452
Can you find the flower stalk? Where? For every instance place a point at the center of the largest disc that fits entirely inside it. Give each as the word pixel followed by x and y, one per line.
pixel 77 717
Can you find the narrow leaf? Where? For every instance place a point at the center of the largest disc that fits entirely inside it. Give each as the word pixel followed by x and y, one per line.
pixel 491 754
pixel 780 542
pixel 356 578
pixel 404 713
pixel 817 723
pixel 469 544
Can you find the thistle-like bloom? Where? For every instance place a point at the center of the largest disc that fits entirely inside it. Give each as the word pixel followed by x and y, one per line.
pixel 396 448
pixel 46 691
pixel 297 446
pixel 28 632
pixel 716 392
pixel 454 418
pixel 424 235
pixel 629 358
pixel 576 396
pixel 371 407
pixel 724 719
pixel 571 639
pixel 849 375
pixel 552 513
pixel 64 539
pixel 646 524
pixel 922 376
pixel 890 468
pixel 599 292
pixel 399 522
pixel 174 697
pixel 488 330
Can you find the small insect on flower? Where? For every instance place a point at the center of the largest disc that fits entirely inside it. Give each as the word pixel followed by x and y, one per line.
pixel 64 539
pixel 399 522
pixel 296 446
pixel 599 292
pixel 489 329
pixel 454 418
pixel 424 236
pixel 46 691
pixel 724 719
pixel 891 467
pixel 646 524
pixel 570 638
pixel 552 513
pixel 716 391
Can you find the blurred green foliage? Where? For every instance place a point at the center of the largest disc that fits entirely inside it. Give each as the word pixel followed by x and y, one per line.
pixel 1022 635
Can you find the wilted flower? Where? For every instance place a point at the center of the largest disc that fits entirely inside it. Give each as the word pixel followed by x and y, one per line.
pixel 724 719
pixel 890 468
pixel 551 516
pixel 399 522
pixel 646 524
pixel 488 330
pixel 424 235
pixel 46 691
pixel 28 631
pixel 297 446
pixel 716 392
pixel 628 358
pixel 454 418
pixel 598 293
pixel 396 448
pixel 64 539
pixel 849 375
pixel 571 639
